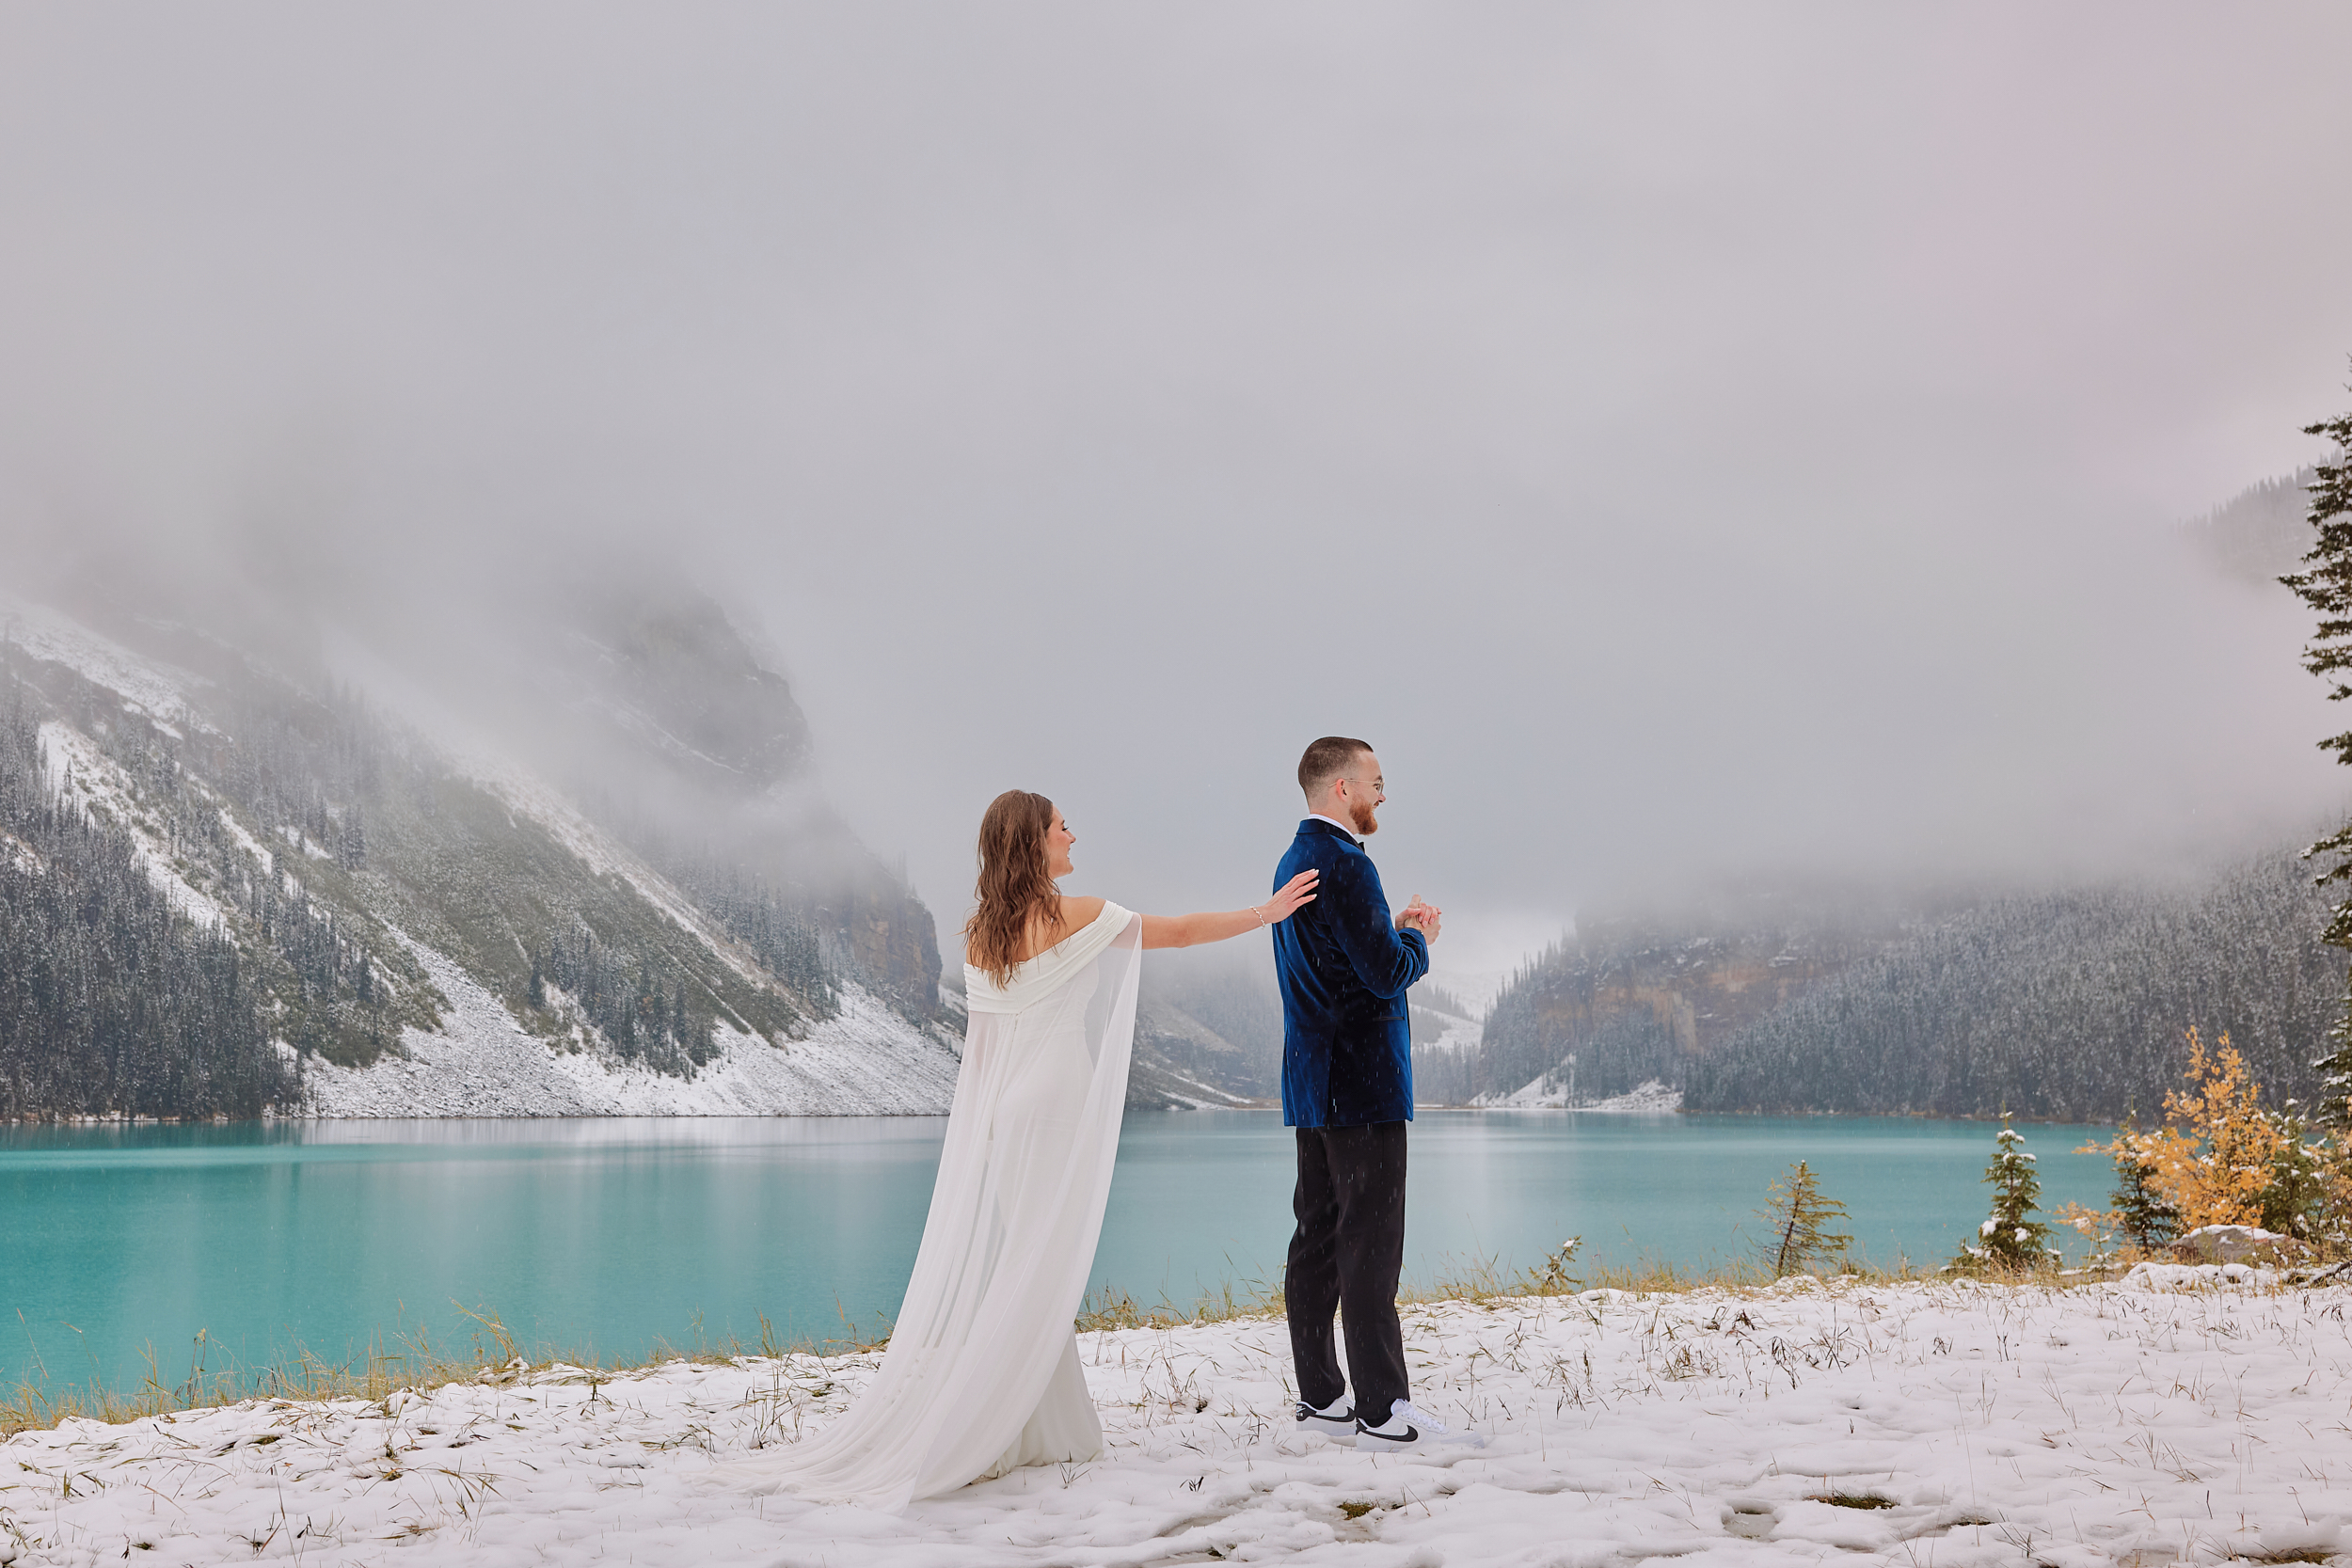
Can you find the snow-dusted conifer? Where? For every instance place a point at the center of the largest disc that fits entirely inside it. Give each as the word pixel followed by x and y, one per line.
pixel 2325 583
pixel 2147 1219
pixel 2296 1202
pixel 2009 1238
pixel 1797 1218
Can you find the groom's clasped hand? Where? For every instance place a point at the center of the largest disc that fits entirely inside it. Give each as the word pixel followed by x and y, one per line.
pixel 1420 917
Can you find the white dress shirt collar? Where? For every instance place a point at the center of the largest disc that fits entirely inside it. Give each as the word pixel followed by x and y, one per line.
pixel 1353 837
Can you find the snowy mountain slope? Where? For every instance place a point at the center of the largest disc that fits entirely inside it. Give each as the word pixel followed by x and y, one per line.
pixel 468 752
pixel 1473 989
pixel 89 780
pixel 2072 1005
pixel 864 1061
pixel 426 935
pixel 152 686
pixel 1179 1062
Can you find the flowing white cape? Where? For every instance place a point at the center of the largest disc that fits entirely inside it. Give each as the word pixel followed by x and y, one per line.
pixel 981 1373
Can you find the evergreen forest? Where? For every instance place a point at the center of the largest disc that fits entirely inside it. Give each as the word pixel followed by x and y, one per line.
pixel 2070 1006
pixel 112 1001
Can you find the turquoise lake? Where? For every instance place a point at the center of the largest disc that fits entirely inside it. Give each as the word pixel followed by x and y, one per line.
pixel 608 1237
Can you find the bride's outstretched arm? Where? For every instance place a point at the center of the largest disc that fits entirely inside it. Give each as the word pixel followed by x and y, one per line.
pixel 1190 930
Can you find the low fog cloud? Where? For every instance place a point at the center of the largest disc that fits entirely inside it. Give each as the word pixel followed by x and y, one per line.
pixel 1690 442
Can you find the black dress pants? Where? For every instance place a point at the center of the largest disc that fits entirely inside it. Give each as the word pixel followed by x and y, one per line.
pixel 1345 1256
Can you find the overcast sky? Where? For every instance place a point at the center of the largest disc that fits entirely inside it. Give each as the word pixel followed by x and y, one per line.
pixel 1689 441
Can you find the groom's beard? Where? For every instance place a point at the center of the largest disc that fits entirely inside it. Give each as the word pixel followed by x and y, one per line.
pixel 1359 813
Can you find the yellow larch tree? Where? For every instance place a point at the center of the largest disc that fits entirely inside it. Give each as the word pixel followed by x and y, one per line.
pixel 2212 1159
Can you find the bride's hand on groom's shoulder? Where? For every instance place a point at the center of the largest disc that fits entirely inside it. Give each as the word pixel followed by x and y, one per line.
pixel 1298 891
pixel 1184 931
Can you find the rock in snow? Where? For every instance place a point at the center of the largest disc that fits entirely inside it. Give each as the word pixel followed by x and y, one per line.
pixel 1963 1425
pixel 2231 1244
pixel 2197 1276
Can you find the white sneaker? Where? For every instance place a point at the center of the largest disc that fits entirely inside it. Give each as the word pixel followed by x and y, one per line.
pixel 1408 1430
pixel 1336 1419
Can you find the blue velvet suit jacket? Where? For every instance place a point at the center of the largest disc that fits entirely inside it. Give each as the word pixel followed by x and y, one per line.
pixel 1343 968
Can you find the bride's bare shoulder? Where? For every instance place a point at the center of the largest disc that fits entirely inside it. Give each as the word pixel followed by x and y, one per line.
pixel 1076 915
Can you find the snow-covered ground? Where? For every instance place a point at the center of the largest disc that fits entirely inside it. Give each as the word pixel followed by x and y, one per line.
pixel 1475 989
pixel 1459 1035
pixel 1653 1098
pixel 1927 1425
pixel 1550 1093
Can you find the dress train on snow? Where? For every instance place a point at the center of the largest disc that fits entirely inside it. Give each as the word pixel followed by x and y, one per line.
pixel 982 1374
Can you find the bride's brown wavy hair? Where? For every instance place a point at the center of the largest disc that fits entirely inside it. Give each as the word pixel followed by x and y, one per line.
pixel 1014 885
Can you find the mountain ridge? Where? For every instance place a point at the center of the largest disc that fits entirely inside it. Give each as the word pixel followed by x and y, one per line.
pixel 2067 1004
pixel 422 931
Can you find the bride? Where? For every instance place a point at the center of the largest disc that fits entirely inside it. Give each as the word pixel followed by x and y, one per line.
pixel 982 1374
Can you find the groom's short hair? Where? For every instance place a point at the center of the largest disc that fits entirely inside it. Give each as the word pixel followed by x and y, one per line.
pixel 1326 760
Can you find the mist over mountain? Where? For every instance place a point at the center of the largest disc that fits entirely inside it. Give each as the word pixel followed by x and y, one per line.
pixel 1676 486
pixel 2072 1006
pixel 587 798
pixel 1641 996
pixel 1107 403
pixel 609 883
pixel 2067 1004
pixel 2260 535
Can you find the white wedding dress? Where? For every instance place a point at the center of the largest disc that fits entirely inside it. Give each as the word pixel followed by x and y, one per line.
pixel 981 1373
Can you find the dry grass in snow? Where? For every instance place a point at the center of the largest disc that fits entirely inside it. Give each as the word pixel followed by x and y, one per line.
pixel 1943 1424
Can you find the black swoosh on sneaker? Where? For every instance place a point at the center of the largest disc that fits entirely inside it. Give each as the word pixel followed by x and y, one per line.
pixel 1410 1434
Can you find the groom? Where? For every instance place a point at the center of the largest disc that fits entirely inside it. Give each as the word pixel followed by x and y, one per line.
pixel 1343 966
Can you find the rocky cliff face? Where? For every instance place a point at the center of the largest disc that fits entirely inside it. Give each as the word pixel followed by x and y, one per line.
pixel 660 674
pixel 659 712
pixel 1635 1000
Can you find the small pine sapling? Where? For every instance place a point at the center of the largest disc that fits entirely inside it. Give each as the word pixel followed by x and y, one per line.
pixel 1798 1215
pixel 2148 1220
pixel 2099 1228
pixel 2010 1238
pixel 2143 1217
pixel 2296 1201
pixel 1552 1278
pixel 2335 1215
